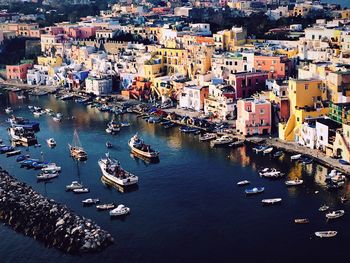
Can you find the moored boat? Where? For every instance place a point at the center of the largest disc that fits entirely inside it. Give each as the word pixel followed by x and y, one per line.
pixel 51 142
pixel 207 137
pixel 223 140
pixel 109 145
pixel 8 110
pixel 295 157
pixel 278 154
pixel 139 148
pixel 119 211
pixel 255 190
pixel 113 172
pixel 83 190
pixel 76 151
pixel 301 221
pixel 74 185
pixel 294 182
pixel 242 183
pixel 46 176
pixel 13 153
pixel 335 214
pixel 90 201
pixel 271 201
pixel 326 234
pixel 105 207
pixel 323 208
pixel 268 150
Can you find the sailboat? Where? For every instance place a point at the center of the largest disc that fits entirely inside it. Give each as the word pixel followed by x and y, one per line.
pixel 76 150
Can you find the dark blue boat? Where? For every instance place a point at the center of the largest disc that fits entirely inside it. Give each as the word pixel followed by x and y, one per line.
pixel 187 129
pixel 6 149
pixel 24 123
pixel 343 162
pixel 22 158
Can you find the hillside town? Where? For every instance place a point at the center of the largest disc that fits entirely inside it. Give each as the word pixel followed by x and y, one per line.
pixel 291 82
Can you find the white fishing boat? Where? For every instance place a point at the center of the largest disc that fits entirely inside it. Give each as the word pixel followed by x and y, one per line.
pixel 81 190
pixel 114 173
pixel 119 211
pixel 271 201
pixel 335 214
pixel 51 142
pixel 326 234
pixel 295 157
pixel 242 183
pixel 90 201
pixel 268 150
pixel 74 185
pixel 223 140
pixel 207 137
pixel 294 182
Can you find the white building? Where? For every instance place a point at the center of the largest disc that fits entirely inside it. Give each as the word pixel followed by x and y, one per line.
pixel 190 98
pixel 100 86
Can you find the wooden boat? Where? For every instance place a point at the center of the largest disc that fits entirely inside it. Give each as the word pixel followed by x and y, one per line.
pixel 294 182
pixel 335 214
pixel 271 201
pixel 242 183
pixel 326 234
pixel 139 148
pixel 255 190
pixel 343 162
pixel 105 207
pixel 295 157
pixel 76 150
pixel 301 221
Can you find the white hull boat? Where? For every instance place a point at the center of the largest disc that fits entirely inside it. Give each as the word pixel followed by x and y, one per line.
pixel 242 183
pixel 268 150
pixel 294 182
pixel 326 234
pixel 295 157
pixel 335 214
pixel 271 201
pixel 119 211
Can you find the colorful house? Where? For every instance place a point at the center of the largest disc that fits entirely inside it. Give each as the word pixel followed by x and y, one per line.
pixel 17 72
pixel 253 117
pixel 278 67
pixel 248 83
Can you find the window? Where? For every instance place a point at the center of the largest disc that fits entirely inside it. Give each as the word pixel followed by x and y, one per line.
pixel 262 111
pixel 306 86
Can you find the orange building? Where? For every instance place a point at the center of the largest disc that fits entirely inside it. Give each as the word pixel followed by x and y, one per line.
pixel 17 72
pixel 278 67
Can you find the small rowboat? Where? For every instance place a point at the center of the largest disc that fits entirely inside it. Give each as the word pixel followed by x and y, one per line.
pixel 335 214
pixel 271 201
pixel 244 182
pixel 301 221
pixel 268 150
pixel 323 208
pixel 295 157
pixel 294 182
pixel 322 234
pixel 255 190
pixel 81 190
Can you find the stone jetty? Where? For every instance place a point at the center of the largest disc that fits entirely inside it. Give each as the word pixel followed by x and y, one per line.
pixel 30 213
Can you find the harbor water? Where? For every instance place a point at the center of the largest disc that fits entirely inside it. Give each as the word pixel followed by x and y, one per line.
pixel 187 207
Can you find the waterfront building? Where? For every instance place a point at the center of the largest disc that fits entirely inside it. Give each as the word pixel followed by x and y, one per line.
pixel 220 102
pixel 17 72
pixel 192 97
pixel 253 117
pixel 326 130
pixel 99 85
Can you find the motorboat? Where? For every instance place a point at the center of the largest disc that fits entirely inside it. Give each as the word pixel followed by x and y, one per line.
pixel 326 234
pixel 51 168
pixel 105 207
pixel 301 221
pixel 268 150
pixel 119 211
pixel 47 176
pixel 139 148
pixel 323 208
pixel 255 190
pixel 13 153
pixel 113 127
pixel 278 154
pixel 242 183
pixel 51 142
pixel 8 110
pixel 335 214
pixel 90 201
pixel 188 129
pixel 76 150
pixel 23 136
pixel 335 185
pixel 294 182
pixel 114 173
pixel 271 201
pixel 74 185
pixel 207 137
pixel 81 190
pixel 223 140
pixel 272 173
pixel 295 157
pixel 109 145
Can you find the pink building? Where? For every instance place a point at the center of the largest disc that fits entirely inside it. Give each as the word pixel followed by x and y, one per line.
pixel 56 30
pixel 248 83
pixel 253 117
pixel 17 72
pixel 80 32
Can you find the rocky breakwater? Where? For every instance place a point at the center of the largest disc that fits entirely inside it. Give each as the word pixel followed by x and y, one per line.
pixel 28 212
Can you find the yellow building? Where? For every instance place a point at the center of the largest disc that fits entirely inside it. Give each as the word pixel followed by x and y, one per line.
pixel 229 39
pixel 154 67
pixel 345 14
pixel 306 101
pixel 301 10
pixel 174 60
pixel 50 61
pixel 341 146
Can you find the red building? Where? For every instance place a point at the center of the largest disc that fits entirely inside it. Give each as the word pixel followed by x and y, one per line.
pixel 278 67
pixel 17 72
pixel 248 83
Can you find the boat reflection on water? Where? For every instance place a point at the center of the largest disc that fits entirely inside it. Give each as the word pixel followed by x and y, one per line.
pixel 119 188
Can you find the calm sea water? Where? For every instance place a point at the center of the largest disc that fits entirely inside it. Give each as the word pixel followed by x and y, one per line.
pixel 187 208
pixel 343 3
